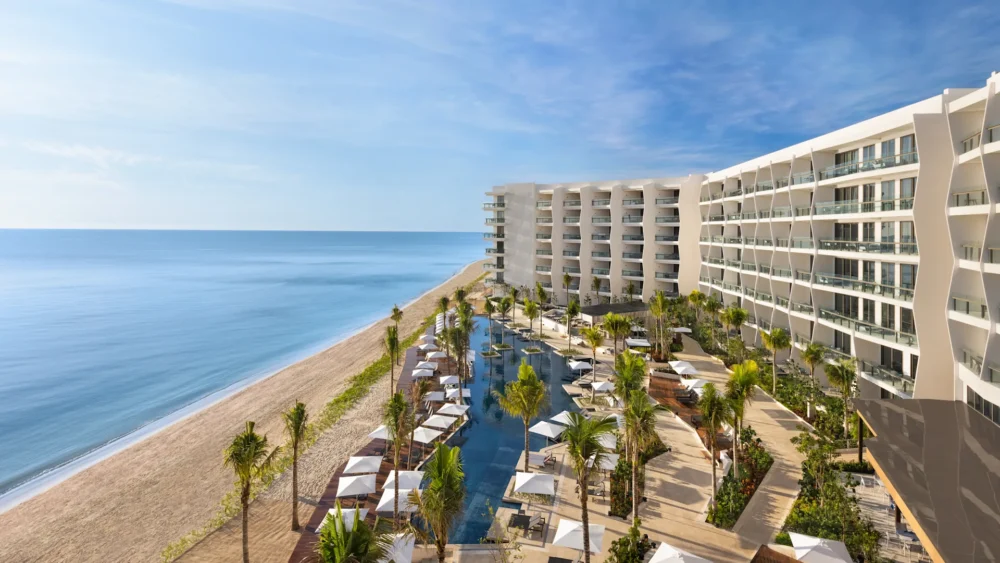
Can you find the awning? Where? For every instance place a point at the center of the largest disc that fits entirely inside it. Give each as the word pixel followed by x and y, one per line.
pixel 428 347
pixel 637 343
pixel 385 504
pixel 354 485
pixel 602 386
pixel 608 462
pixel 427 365
pixel 448 380
pixel 667 553
pixel 452 393
pixel 452 409
pixel 426 337
pixel 683 368
pixel 809 549
pixel 434 396
pixel 425 435
pixel 407 480
pixel 380 433
pixel 535 483
pixel 547 429
pixel 437 356
pixel 417 373
pixel 401 550
pixel 439 421
pixel 693 384
pixel 608 441
pixel 580 366
pixel 680 330
pixel 363 464
pixel 570 534
pixel 561 418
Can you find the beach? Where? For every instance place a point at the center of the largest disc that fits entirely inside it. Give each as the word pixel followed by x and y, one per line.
pixel 131 505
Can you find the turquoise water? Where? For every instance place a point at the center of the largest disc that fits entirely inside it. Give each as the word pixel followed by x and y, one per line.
pixel 106 332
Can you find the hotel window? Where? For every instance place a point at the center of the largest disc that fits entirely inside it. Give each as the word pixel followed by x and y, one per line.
pixel 868 198
pixel 908 144
pixel 888 316
pixel 846 157
pixel 907 188
pixel 868 232
pixel 845 268
pixel 906 232
pixel 842 342
pixel 888 273
pixel 846 305
pixel 888 231
pixel 984 407
pixel 846 194
pixel 891 359
pixel 889 148
pixel 906 321
pixel 868 153
pixel 868 311
pixel 907 275
pixel 888 195
pixel 868 271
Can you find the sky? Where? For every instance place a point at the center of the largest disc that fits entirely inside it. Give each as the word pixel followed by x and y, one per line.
pixel 399 114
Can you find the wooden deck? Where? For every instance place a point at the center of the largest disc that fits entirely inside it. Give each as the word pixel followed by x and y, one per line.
pixel 665 392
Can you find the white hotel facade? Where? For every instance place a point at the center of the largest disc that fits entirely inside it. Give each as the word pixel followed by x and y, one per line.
pixel 880 240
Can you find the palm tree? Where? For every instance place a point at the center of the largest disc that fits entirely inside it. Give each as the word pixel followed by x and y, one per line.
pixel 712 306
pixel 441 503
pixel 419 388
pixel 513 293
pixel 658 307
pixel 524 397
pixel 296 426
pixel 715 410
pixel 776 341
pixel 396 315
pixel 571 312
pixel 733 317
pixel 640 433
pixel 593 337
pixel 489 308
pixel 583 439
pixel 618 327
pixel 460 295
pixel 842 376
pixel 630 371
pixel 391 345
pixel 813 355
pixel 249 459
pixel 595 286
pixel 540 293
pixel 697 299
pixel 630 290
pixel 566 280
pixel 442 308
pixel 396 417
pixel 360 545
pixel 532 310
pixel 739 391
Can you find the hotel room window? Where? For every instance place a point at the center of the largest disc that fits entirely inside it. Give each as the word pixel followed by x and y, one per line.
pixel 889 148
pixel 888 195
pixel 908 148
pixel 888 274
pixel 906 321
pixel 868 153
pixel 907 276
pixel 868 198
pixel 888 316
pixel 907 188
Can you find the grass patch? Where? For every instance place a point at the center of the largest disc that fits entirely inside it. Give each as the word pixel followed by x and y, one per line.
pixel 502 346
pixel 532 350
pixel 358 386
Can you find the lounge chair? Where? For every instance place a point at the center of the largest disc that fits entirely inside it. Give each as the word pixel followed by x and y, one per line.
pixel 536 524
pixel 539 459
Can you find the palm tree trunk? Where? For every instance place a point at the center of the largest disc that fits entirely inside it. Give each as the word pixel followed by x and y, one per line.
pixel 774 374
pixel 737 424
pixel 440 549
pixel 295 486
pixel 245 504
pixel 392 374
pixel 395 501
pixel 714 478
pixel 409 453
pixel 527 446
pixel 635 483
pixel 585 518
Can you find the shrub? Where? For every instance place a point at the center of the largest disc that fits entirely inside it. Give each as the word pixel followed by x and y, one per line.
pixel 854 467
pixel 735 492
pixel 628 548
pixel 621 489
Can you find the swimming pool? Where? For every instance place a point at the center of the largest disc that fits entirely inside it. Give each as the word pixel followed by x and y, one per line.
pixel 492 442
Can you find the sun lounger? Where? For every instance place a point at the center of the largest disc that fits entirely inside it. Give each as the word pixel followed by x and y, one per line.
pixel 537 524
pixel 539 459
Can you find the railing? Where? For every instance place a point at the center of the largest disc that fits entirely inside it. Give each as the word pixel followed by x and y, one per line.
pixel 781 302
pixel 968 306
pixel 716 217
pixel 494 236
pixel 543 236
pixel 573 220
pixel 704 279
pixel 631 255
pixel 494 221
pixel 965 199
pixel 972 360
pixel 600 202
pixel 570 236
pixel 546 285
pixel 898 381
pixel 781 272
pixel 494 205
pixel 764 269
pixel 993 255
pixel 764 325
pixel 763 186
pixel 600 271
pixel 668 219
pixel 762 296
pixel 842 207
pixel 763 242
pixel 704 239
pixel 733 193
pixel 764 214
pixel 571 270
pixel 803 178
pixel 666 275
pixel 543 268
pixel 749 216
pixel 674 256
pixel 803 275
pixel 571 253
pixel 785 211
pixel 668 238
pixel 543 205
pixel 971 143
pixel 801 242
pixel 572 203
pixel 993 134
pixel 751 320
pixel 887 247
pixel 862 327
pixel 748 267
pixel 733 240
pixel 802 308
pixel 494 251
pixel 733 217
pixel 731 287
pixel 632 273
pixel 598 236
pixel 718 261
pixel 780 183
pixel 833 353
pixel 972 252
pixel 543 220
pixel 667 200
pixel 600 220
pixel 544 252
pixel 781 243
pixel 874 164
pixel 717 238
pixel 633 201
pixel 632 237
pixel 598 254
pixel 733 264
pixel 632 219
pixel 803 211
pixel 854 284
pixel 491 266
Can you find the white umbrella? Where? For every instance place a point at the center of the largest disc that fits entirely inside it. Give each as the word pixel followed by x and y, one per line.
pixel 683 368
pixel 434 396
pixel 354 485
pixel 401 550
pixel 407 480
pixel 428 365
pixel 681 330
pixel 608 462
pixel 425 435
pixel 438 421
pixel 380 433
pixel 602 386
pixel 451 409
pixel 667 553
pixel 427 337
pixel 428 347
pixel 817 550
pixel 347 513
pixel 452 393
pixel 547 429
pixel 363 464
pixel 535 483
pixel 570 534
pixel 385 504
pixel 694 383
pixel 437 356
pixel 637 343
pixel 448 379
pixel 561 418
pixel 608 441
pixel 580 366
pixel 423 373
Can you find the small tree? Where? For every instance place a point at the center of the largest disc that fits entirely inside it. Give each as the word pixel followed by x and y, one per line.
pixel 524 398
pixel 359 545
pixel 531 311
pixel 441 503
pixel 740 391
pixel 571 313
pixel 696 299
pixel 593 337
pixel 630 290
pixel 396 416
pixel 712 306
pixel 540 293
pixel 583 441
pixel 775 341
pixel 296 426
pixel 249 459
pixel 595 286
pixel 659 307
pixel 391 344
pixel 814 355
pixel 566 281
pixel 715 410
pixel 842 376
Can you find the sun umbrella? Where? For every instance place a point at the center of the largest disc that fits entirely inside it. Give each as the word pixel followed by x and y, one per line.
pixel 547 429
pixel 427 337
pixel 451 409
pixel 386 503
pixel 438 421
pixel 428 347
pixel 817 550
pixel 347 513
pixel 380 433
pixel 401 550
pixel 407 480
pixel 694 384
pixel 427 365
pixel 667 553
pixel 637 343
pixel 452 393
pixel 570 534
pixel 434 396
pixel 535 483
pixel 363 464
pixel 580 366
pixel 425 435
pixel 608 462
pixel 354 485
pixel 680 330
pixel 561 418
pixel 683 368
pixel 602 386
pixel 608 441
pixel 437 356
pixel 448 380
pixel 423 373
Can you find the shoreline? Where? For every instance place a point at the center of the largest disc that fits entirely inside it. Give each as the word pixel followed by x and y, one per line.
pixel 53 476
pixel 171 467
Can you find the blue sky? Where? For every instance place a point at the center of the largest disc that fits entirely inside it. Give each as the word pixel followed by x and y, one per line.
pixel 398 115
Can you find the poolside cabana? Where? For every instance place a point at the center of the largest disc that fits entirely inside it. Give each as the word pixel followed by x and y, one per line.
pixel 452 409
pixel 535 483
pixel 433 366
pixel 380 433
pixel 407 480
pixel 603 387
pixel 385 504
pixel 401 550
pixel 448 380
pixel 348 516
pixel 809 549
pixel 356 485
pixel 547 429
pixel 580 366
pixel 363 464
pixel 637 343
pixel 437 356
pixel 434 397
pixel 570 534
pixel 453 393
pixel 428 347
pixel 680 329
pixel 425 435
pixel 426 337
pixel 683 368
pixel 418 373
pixel 440 421
pixel 561 418
pixel 667 553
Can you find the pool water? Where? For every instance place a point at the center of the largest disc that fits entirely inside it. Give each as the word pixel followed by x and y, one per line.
pixel 493 441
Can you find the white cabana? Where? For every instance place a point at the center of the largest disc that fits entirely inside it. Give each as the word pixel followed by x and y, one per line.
pixel 680 330
pixel 580 366
pixel 570 534
pixel 683 368
pixel 667 553
pixel 448 380
pixel 608 462
pixel 452 393
pixel 437 356
pixel 425 435
pixel 380 433
pixel 535 483
pixel 608 441
pixel 561 418
pixel 401 550
pixel 603 386
pixel 452 409
pixel 363 464
pixel 348 515
pixel 637 343
pixel 387 501
pixel 355 485
pixel 439 421
pixel 426 337
pixel 427 365
pixel 417 373
pixel 434 396
pixel 547 429
pixel 809 549
pixel 428 347
pixel 693 384
pixel 407 480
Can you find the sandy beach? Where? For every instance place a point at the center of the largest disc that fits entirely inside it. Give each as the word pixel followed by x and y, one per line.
pixel 131 505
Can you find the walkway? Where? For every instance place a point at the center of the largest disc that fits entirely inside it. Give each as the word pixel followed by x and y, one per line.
pixel 764 516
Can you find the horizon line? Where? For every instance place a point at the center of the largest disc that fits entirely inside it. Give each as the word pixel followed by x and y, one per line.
pixel 161 229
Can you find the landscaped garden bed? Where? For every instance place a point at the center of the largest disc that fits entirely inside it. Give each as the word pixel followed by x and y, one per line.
pixel 736 490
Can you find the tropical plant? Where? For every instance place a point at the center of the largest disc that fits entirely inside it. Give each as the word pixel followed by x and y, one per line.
pixel 734 317
pixel 583 440
pixel 566 281
pixel 489 308
pixel 595 286
pixel 618 328
pixel 442 308
pixel 248 456
pixel 396 315
pixel 540 293
pixel 391 345
pixel 640 432
pixel 712 306
pixel 441 502
pixel 513 294
pixel 630 290
pixel 775 341
pixel 814 355
pixel 396 415
pixel 525 398
pixel 842 375
pixel 696 299
pixel 465 326
pixel 630 371
pixel 571 312
pixel 296 425
pixel 659 307
pixel 359 545
pixel 531 310
pixel 593 337
pixel 740 391
pixel 715 411
pixel 460 294
pixel 419 388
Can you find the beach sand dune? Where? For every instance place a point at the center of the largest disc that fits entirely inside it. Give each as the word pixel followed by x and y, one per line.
pixel 131 505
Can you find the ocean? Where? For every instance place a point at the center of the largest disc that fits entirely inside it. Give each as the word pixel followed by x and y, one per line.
pixel 107 335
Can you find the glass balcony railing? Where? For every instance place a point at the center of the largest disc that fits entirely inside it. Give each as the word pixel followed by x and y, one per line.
pixel 966 199
pixel 842 207
pixel 993 255
pixel 781 273
pixel 748 267
pixel 571 253
pixel 600 271
pixel 780 183
pixel 732 240
pixel 632 237
pixel 716 261
pixel 572 203
pixel 749 216
pixel 849 168
pixel 801 242
pixel 734 216
pixel 571 236
pixel 972 252
pixel 546 285
pixel 599 254
pixel 887 247
pixel 666 275
pixel 860 327
pixel 970 306
pixel 803 178
pixel 763 296
pixel 781 212
pixel 633 201
pixel 543 252
pixel 667 238
pixel 632 219
pixel 764 269
pixel 716 218
pixel 802 308
pixel 733 264
pixel 731 287
pixel 543 205
pixel 971 143
pixel 670 219
pixel 763 187
pixel 781 243
pixel 704 279
pixel 993 134
pixel 600 202
pixel 632 273
pixel 494 236
pixel 575 220
pixel 543 236
pixel 667 200
pixel 543 220
pixel 631 255
pixel 571 270
pixel 854 284
pixel 674 256
pixel 733 193
pixel 494 221
pixel 600 220
pixel 494 251
pixel 899 381
pixel 803 211
pixel 704 239
pixel 717 239
pixel 803 275
pixel 543 268
pixel 600 236
pixel 494 205
pixel 492 266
